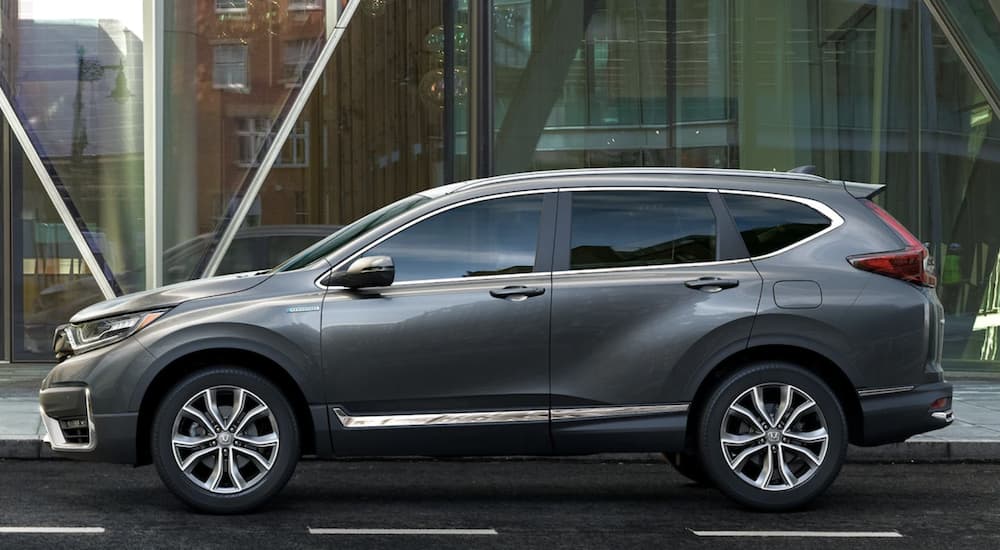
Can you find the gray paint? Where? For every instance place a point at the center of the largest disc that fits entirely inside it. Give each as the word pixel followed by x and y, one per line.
pixel 607 338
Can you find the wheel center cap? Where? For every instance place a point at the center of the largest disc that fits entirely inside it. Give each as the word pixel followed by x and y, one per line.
pixel 225 439
pixel 773 436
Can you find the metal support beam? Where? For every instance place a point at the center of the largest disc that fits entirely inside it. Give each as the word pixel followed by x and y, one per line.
pixel 89 258
pixel 481 88
pixel 965 54
pixel 152 128
pixel 296 108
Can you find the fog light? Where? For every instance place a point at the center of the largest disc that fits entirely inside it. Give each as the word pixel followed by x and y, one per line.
pixel 941 404
pixel 73 423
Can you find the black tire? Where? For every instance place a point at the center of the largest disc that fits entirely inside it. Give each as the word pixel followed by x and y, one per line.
pixel 269 482
pixel 689 465
pixel 716 457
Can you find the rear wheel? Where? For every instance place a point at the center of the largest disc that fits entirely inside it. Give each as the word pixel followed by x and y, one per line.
pixel 225 440
pixel 773 437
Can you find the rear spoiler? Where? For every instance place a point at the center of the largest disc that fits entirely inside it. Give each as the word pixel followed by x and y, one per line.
pixel 863 190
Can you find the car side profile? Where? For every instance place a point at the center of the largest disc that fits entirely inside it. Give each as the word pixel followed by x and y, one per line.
pixel 749 325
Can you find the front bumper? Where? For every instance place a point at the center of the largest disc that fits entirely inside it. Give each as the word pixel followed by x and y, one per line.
pixel 893 415
pixel 71 427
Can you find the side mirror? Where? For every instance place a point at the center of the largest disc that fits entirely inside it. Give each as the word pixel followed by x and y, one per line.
pixel 371 271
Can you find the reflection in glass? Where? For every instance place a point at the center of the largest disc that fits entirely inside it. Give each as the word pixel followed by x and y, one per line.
pixel 232 70
pixel 640 228
pixel 372 130
pixel 76 81
pixel 49 280
pixel 865 91
pixel 494 237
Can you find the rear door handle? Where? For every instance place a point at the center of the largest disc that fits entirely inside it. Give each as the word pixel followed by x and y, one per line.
pixel 517 292
pixel 712 284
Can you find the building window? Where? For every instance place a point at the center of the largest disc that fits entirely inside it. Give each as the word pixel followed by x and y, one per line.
pixel 298 60
pixel 230 6
pixel 230 70
pixel 300 5
pixel 255 134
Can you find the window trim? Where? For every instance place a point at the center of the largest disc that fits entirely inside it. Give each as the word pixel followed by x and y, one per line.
pixel 392 232
pixel 231 10
pixel 835 219
pixel 562 252
pixel 243 87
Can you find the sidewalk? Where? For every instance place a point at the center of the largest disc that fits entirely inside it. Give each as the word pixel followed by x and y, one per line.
pixel 975 435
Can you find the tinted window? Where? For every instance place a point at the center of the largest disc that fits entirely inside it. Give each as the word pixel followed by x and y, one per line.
pixel 770 224
pixel 492 237
pixel 636 228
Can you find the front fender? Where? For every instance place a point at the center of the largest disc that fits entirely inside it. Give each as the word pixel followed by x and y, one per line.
pixel 277 348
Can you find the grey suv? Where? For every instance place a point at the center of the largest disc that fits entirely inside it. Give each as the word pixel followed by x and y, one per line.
pixel 748 324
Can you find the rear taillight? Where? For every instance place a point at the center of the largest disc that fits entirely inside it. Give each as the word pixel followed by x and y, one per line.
pixel 912 264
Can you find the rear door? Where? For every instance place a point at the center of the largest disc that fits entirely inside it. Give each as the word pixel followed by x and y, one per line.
pixel 649 284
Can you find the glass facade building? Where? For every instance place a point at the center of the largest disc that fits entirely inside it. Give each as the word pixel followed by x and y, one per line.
pixel 150 142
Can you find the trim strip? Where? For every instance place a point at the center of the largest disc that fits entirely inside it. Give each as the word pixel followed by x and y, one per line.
pixel 584 413
pixel 883 391
pixel 434 419
pixel 501 417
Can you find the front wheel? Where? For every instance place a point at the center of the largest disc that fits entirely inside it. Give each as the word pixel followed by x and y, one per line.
pixel 225 440
pixel 773 437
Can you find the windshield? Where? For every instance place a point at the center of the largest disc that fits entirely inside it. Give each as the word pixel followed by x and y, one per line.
pixel 349 232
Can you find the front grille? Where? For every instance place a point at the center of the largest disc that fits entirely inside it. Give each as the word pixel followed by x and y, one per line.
pixel 75 430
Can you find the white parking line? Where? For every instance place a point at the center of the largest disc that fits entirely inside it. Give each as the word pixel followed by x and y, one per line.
pixel 803 534
pixel 462 532
pixel 51 530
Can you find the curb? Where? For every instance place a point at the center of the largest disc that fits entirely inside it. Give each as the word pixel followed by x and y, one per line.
pixel 27 447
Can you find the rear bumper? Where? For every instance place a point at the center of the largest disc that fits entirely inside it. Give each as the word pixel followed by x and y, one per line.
pixel 893 415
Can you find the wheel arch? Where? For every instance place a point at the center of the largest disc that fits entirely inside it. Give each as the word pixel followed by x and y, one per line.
pixel 818 364
pixel 179 367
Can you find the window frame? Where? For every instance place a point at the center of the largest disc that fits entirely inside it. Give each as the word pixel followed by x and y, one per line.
pixel 561 261
pixel 543 248
pixel 231 9
pixel 822 209
pixel 245 62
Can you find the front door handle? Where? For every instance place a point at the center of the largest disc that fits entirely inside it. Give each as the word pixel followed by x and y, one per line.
pixel 711 284
pixel 517 292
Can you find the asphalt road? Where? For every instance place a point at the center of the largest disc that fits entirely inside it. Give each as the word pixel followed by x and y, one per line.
pixel 529 504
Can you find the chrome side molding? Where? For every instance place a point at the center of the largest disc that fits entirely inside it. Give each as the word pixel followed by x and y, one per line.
pixel 883 391
pixel 501 417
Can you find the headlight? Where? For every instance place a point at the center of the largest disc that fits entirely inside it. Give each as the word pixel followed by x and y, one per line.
pixel 102 332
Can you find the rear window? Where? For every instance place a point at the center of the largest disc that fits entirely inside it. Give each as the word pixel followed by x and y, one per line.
pixel 640 228
pixel 768 224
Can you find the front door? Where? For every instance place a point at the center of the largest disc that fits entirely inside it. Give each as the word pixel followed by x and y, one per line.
pixel 452 358
pixel 640 300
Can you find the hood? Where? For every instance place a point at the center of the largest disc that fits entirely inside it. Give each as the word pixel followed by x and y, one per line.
pixel 171 295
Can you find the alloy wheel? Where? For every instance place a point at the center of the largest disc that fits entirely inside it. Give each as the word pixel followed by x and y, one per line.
pixel 774 437
pixel 225 439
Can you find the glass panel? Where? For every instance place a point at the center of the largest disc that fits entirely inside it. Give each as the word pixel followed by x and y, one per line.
pixel 768 225
pixel 633 228
pixel 494 237
pixel 372 131
pixel 976 24
pixel 864 91
pixel 232 68
pixel 49 281
pixel 76 82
